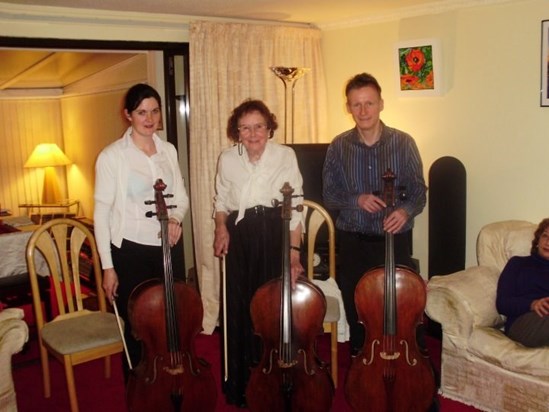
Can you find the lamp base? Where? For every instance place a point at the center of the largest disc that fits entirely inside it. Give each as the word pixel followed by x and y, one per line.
pixel 51 194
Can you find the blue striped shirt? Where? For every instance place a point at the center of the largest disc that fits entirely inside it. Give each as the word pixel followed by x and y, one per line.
pixel 352 168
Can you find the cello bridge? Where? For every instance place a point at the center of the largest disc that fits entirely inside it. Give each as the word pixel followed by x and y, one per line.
pixel 284 364
pixel 177 370
pixel 386 356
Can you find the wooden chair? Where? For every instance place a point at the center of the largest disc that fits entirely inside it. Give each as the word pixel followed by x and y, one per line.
pixel 76 334
pixel 316 217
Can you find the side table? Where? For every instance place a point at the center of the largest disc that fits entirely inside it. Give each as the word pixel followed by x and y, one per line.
pixel 42 212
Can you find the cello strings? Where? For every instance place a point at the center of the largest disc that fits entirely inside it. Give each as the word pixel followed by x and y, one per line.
pixel 171 317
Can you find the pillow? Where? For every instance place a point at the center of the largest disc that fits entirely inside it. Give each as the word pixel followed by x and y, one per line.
pixel 498 241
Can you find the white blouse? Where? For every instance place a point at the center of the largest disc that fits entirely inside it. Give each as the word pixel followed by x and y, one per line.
pixel 241 184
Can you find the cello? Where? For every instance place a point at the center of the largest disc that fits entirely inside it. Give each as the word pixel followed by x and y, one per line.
pixel 390 374
pixel 290 376
pixel 166 315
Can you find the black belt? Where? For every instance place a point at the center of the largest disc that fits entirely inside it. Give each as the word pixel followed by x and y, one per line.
pixel 261 211
pixel 365 237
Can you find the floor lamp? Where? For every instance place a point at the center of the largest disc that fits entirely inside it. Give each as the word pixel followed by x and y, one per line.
pixel 48 156
pixel 289 76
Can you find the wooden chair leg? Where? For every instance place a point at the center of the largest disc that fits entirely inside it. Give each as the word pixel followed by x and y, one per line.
pixel 71 388
pixel 44 360
pixel 107 367
pixel 333 348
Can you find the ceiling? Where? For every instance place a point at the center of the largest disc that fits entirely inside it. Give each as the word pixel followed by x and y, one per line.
pixel 304 11
pixel 36 69
pixel 32 69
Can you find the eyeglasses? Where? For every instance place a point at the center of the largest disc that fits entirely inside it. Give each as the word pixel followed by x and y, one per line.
pixel 257 128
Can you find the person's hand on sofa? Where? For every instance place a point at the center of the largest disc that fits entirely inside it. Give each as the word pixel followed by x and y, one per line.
pixel 541 306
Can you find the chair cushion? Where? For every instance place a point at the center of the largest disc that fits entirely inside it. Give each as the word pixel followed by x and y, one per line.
pixel 333 295
pixel 80 333
pixel 332 310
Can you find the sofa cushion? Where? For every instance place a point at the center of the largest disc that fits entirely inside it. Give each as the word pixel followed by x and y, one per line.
pixel 497 242
pixel 494 347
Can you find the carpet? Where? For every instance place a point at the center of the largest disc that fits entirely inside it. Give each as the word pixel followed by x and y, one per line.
pixel 96 393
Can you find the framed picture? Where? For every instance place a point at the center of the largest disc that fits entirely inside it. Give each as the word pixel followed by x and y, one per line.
pixel 419 68
pixel 544 100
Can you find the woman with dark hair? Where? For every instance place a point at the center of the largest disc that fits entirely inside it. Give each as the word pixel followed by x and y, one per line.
pixel 125 173
pixel 248 229
pixel 523 292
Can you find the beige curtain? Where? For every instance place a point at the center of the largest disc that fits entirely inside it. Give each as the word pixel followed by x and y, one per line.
pixel 229 63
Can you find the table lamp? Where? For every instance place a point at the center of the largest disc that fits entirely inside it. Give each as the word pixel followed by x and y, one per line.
pixel 48 156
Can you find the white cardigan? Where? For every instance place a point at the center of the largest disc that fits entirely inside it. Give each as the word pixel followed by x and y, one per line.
pixel 111 181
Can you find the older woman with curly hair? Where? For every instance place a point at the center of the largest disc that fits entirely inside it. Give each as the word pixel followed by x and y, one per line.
pixel 248 229
pixel 523 292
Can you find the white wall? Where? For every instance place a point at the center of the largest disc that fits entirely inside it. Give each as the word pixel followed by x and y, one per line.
pixel 489 116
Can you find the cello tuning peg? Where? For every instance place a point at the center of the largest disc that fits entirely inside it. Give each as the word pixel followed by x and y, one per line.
pixel 149 202
pixel 150 214
pixel 299 208
pixel 168 195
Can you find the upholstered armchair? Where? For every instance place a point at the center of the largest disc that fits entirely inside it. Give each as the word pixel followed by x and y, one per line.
pixel 13 335
pixel 480 365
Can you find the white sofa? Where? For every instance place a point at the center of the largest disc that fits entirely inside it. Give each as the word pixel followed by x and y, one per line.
pixel 480 365
pixel 14 332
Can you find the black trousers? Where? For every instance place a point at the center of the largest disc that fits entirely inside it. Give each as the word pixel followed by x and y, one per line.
pixel 358 253
pixel 135 263
pixel 531 330
pixel 254 257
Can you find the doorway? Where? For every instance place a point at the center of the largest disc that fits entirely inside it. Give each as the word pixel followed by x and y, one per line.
pixel 170 67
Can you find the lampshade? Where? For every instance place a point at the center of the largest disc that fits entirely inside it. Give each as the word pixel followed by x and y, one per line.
pixel 48 155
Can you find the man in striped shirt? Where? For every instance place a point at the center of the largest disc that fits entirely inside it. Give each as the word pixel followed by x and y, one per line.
pixel 355 163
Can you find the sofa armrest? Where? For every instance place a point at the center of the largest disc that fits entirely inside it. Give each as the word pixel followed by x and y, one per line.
pixel 11 313
pixel 463 300
pixel 14 331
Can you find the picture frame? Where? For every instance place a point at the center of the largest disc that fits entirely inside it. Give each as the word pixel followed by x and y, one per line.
pixel 544 91
pixel 419 68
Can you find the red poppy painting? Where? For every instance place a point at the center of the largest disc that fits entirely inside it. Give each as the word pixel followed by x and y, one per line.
pixel 418 68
